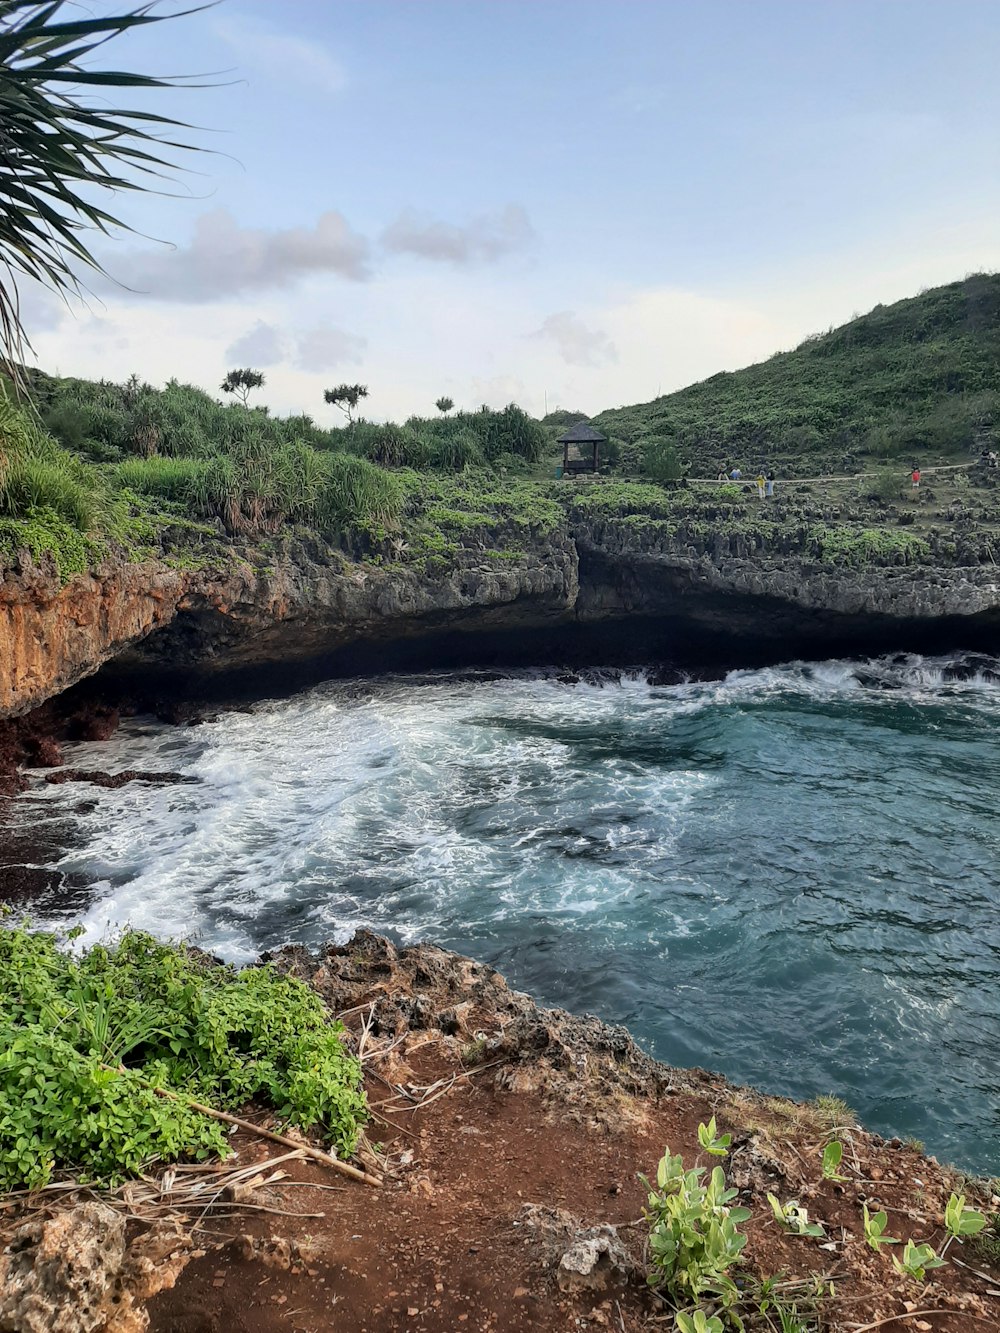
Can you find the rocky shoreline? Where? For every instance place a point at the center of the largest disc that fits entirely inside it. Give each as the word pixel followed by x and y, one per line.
pixel 512 1140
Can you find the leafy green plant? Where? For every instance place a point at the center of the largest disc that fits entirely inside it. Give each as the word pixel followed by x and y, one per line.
pixel 833 1154
pixel 85 1044
pixel 717 1146
pixel 961 1221
pixel 917 1260
pixel 875 1229
pixel 698 1322
pixel 793 1218
pixel 693 1236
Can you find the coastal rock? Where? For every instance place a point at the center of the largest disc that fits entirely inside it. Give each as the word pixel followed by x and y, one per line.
pixel 75 1273
pixel 573 1061
pixel 583 1258
pixel 52 635
pixel 587 593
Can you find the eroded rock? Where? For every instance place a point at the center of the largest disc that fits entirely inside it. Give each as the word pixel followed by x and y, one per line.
pixel 583 1258
pixel 77 1273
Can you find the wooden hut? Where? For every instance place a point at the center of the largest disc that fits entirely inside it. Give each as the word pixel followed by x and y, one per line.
pixel 581 448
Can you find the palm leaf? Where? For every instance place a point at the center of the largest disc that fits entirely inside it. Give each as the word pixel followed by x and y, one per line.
pixel 53 144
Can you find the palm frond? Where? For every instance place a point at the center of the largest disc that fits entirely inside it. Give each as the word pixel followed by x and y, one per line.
pixel 54 143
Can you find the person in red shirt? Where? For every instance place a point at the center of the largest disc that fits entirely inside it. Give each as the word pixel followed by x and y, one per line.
pixel 915 478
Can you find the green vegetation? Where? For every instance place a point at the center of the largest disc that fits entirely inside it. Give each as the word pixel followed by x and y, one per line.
pixel 875 1225
pixel 868 546
pixel 961 1221
pixel 833 1155
pixel 177 474
pixel 695 1245
pixel 917 379
pixel 717 1145
pixel 916 1260
pixel 86 1042
pixel 793 1218
pixel 694 1239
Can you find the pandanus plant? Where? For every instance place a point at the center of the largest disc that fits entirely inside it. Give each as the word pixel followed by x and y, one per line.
pixel 60 136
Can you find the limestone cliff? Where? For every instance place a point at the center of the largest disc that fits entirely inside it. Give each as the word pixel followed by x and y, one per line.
pixel 306 603
pixel 52 635
pixel 600 592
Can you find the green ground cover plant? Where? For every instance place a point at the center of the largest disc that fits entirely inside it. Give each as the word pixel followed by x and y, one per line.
pixel 86 1040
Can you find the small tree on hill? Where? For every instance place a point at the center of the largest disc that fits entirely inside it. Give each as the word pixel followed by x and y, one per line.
pixel 661 461
pixel 346 397
pixel 445 405
pixel 241 383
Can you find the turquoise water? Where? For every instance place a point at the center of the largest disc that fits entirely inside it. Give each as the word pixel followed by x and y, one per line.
pixel 789 876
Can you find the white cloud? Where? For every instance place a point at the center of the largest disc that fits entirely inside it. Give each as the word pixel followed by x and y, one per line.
pixel 473 339
pixel 225 259
pixel 263 345
pixel 325 347
pixel 281 56
pixel 485 238
pixel 577 344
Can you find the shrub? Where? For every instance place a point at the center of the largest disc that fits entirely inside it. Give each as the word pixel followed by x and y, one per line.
pixel 170 478
pixel 455 451
pixel 388 445
pixel 885 485
pixel 356 493
pixel 660 460
pixel 35 473
pixel 35 483
pixel 84 1044
pixel 693 1236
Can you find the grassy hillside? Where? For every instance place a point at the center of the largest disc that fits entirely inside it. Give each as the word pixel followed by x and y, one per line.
pixel 918 379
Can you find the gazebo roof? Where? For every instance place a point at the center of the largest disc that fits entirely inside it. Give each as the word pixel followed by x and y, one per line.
pixel 582 433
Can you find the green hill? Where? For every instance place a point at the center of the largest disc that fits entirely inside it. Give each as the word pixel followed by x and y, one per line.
pixel 920 379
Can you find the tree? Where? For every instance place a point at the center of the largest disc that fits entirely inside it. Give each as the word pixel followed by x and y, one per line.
pixel 445 404
pixel 241 383
pixel 660 459
pixel 60 138
pixel 346 397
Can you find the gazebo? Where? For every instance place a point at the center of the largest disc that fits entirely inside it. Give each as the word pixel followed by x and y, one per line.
pixel 581 448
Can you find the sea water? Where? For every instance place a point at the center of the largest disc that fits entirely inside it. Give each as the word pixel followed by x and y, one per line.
pixel 789 875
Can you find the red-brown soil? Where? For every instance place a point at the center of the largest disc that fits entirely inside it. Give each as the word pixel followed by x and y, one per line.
pixel 532 1107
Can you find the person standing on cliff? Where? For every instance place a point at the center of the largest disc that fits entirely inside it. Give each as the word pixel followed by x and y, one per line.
pixel 915 478
pixel 761 480
pixel 769 486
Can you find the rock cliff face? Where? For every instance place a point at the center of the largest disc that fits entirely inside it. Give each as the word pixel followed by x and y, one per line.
pixel 599 593
pixel 305 606
pixel 51 636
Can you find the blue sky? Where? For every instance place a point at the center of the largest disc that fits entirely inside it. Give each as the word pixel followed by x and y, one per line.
pixel 566 202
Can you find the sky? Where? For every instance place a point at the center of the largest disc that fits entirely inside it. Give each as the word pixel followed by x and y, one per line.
pixel 565 203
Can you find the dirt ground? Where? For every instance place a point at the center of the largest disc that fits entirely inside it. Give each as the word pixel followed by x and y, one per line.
pixel 485 1106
